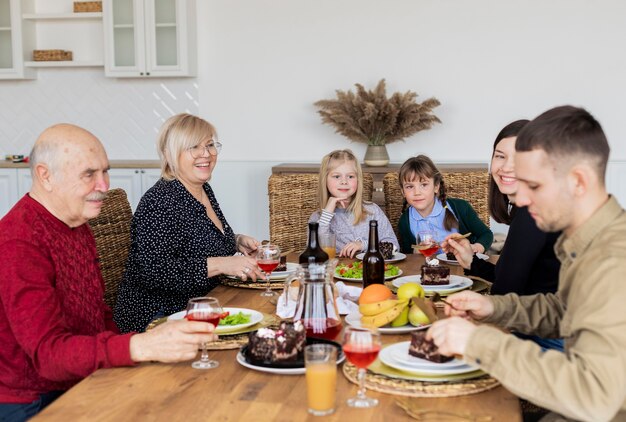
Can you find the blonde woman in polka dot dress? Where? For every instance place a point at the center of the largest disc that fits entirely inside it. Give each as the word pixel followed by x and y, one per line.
pixel 180 240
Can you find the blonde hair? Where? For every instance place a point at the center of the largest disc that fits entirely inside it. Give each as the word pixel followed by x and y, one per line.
pixel 179 133
pixel 332 161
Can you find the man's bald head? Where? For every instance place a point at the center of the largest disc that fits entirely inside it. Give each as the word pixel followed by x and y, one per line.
pixel 58 145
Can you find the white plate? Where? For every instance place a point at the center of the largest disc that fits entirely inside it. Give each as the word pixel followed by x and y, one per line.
pixel 443 257
pixel 358 280
pixel 387 357
pixel 241 359
pixel 354 319
pixel 397 256
pixel 401 355
pixel 255 318
pixel 456 283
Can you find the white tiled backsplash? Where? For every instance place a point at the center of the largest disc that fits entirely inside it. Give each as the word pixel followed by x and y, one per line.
pixel 125 114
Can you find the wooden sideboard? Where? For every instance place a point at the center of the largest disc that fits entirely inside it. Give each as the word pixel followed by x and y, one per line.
pixel 377 173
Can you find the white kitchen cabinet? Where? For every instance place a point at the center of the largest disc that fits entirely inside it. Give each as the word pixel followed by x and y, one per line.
pixel 149 38
pixel 11 51
pixel 8 190
pixel 134 181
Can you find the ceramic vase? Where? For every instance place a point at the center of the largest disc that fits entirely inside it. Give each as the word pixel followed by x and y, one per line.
pixel 376 156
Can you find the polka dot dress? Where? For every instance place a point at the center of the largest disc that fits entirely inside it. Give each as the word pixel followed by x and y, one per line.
pixel 171 238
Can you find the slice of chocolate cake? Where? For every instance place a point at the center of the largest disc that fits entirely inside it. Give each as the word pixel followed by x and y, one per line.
pixel 386 249
pixel 425 349
pixel 434 275
pixel 283 345
pixel 450 256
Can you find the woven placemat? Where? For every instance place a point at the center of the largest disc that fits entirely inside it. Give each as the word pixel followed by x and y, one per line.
pixel 258 285
pixel 404 387
pixel 231 341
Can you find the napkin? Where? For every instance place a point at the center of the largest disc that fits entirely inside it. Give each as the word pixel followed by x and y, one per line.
pixel 346 298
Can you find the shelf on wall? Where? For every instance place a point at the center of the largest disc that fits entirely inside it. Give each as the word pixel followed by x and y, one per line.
pixel 65 64
pixel 62 16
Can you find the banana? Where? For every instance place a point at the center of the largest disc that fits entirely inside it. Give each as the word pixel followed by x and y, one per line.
pixel 384 317
pixel 370 309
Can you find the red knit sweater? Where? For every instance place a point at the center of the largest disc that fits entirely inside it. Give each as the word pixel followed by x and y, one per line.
pixel 55 328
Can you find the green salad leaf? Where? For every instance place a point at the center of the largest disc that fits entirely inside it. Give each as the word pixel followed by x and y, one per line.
pixel 236 319
pixel 355 270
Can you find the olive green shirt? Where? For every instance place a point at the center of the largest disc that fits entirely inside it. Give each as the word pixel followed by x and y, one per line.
pixel 588 381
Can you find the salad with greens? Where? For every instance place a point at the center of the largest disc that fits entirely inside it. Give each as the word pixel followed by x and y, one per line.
pixel 235 319
pixel 355 270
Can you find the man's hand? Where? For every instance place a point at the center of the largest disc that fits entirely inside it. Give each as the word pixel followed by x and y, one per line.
pixel 173 341
pixel 469 304
pixel 451 335
pixel 461 249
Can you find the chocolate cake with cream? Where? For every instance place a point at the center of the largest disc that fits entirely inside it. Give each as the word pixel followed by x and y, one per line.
pixel 425 349
pixel 433 275
pixel 286 344
pixel 386 249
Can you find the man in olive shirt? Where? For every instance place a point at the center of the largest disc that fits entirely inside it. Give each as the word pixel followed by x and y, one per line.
pixel 560 164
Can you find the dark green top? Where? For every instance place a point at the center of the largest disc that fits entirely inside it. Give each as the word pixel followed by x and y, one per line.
pixel 468 222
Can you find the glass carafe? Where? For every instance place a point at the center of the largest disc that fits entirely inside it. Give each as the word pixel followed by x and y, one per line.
pixel 317 305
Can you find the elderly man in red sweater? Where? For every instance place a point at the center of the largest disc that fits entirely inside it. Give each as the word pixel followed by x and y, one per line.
pixel 55 328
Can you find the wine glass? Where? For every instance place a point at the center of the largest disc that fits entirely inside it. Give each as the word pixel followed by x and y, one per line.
pixel 207 309
pixel 427 245
pixel 268 258
pixel 361 347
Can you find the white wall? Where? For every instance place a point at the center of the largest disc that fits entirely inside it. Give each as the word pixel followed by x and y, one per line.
pixel 263 63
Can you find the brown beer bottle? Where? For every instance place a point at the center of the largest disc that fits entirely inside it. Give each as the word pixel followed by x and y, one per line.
pixel 313 252
pixel 373 261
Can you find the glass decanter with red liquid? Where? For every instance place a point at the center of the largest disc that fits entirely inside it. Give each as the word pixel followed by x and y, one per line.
pixel 317 307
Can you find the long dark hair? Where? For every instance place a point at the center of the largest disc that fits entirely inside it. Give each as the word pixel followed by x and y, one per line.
pixel 416 168
pixel 499 202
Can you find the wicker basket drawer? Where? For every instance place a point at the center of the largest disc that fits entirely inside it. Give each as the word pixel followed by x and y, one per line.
pixel 87 6
pixel 51 55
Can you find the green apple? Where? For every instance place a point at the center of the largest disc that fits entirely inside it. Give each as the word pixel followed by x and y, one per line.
pixel 417 317
pixel 402 319
pixel 410 290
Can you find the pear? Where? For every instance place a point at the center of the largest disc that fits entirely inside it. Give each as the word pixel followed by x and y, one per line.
pixel 417 317
pixel 409 290
pixel 402 319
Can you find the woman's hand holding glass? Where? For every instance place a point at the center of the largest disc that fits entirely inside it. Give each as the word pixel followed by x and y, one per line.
pixel 244 267
pixel 461 249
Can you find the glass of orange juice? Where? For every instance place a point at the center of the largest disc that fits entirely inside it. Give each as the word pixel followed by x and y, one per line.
pixel 328 242
pixel 321 378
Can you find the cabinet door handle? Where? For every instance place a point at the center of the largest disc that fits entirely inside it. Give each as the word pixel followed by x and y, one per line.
pixel 143 171
pixel 147 73
pixel 136 171
pixel 141 74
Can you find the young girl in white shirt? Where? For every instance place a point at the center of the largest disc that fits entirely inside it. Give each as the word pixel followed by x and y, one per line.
pixel 342 208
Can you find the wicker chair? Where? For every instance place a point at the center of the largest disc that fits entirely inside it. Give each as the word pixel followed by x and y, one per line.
pixel 112 232
pixel 472 186
pixel 293 198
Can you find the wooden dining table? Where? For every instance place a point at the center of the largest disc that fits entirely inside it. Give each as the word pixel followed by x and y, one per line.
pixel 231 392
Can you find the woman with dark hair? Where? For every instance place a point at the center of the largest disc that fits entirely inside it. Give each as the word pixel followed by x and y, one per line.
pixel 527 263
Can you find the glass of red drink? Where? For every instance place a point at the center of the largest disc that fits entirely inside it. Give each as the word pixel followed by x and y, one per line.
pixel 361 347
pixel 268 258
pixel 427 244
pixel 206 309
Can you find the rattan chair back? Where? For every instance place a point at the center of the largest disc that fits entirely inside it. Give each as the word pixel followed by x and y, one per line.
pixel 292 200
pixel 111 230
pixel 473 186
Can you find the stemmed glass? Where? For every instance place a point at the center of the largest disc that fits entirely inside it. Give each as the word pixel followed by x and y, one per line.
pixel 427 245
pixel 268 258
pixel 361 347
pixel 207 309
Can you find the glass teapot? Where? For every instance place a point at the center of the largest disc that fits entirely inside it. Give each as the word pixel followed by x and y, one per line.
pixel 316 305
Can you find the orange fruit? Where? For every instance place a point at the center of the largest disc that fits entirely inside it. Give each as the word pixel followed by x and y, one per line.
pixel 375 293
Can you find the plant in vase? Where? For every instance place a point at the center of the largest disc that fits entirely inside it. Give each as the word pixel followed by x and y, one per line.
pixel 371 117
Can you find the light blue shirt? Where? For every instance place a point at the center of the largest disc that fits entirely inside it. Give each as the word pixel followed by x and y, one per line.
pixel 432 222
